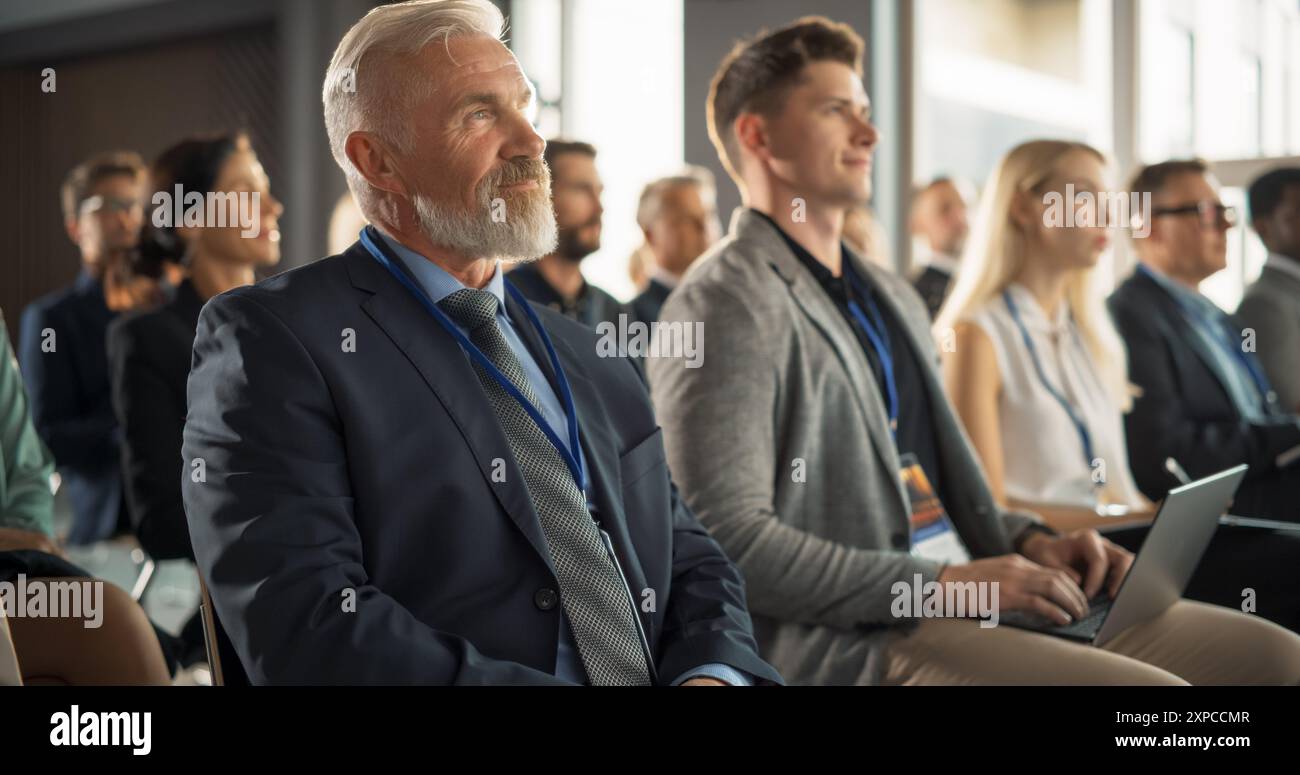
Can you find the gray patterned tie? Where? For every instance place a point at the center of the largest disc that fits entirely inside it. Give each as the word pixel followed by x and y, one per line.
pixel 594 597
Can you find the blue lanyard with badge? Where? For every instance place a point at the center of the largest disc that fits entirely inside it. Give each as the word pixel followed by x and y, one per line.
pixel 1080 427
pixel 572 457
pixel 932 533
pixel 878 335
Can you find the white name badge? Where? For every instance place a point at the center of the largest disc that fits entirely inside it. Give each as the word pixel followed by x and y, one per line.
pixel 933 536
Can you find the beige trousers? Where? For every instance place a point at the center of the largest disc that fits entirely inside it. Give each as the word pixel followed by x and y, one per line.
pixel 1191 643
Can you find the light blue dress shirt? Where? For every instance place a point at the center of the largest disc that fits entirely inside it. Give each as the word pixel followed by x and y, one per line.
pixel 1214 329
pixel 438 284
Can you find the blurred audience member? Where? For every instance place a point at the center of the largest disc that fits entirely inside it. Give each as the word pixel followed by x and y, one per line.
pixel 939 230
pixel 53 649
pixel 1271 306
pixel 149 352
pixel 555 280
pixel 62 341
pixel 26 501
pixel 1035 368
pixel 678 216
pixel 638 267
pixel 1037 374
pixel 1204 399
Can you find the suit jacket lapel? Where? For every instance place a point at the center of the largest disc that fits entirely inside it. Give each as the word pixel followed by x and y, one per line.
pixel 1190 336
pixel 814 303
pixel 447 371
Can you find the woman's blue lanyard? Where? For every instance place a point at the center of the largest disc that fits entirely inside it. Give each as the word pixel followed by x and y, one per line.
pixel 878 335
pixel 1085 438
pixel 571 457
pixel 1251 367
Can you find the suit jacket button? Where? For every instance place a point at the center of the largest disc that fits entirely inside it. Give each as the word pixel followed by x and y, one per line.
pixel 900 541
pixel 545 599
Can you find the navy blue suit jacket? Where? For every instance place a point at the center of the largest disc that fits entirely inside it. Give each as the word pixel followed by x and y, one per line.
pixel 1185 413
pixel 72 403
pixel 360 517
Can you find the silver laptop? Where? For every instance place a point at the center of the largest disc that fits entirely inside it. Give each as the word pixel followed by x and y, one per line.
pixel 1182 529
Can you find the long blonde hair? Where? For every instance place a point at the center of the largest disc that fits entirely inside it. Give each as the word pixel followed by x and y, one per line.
pixel 996 253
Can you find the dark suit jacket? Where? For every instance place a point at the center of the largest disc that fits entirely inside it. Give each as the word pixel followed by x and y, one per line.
pixel 648 303
pixel 933 285
pixel 350 526
pixel 149 362
pixel 592 307
pixel 70 401
pixel 1185 413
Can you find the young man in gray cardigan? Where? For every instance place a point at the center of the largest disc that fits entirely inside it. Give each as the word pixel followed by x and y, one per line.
pixel 814 427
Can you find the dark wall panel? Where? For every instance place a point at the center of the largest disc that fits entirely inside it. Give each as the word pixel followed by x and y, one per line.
pixel 142 99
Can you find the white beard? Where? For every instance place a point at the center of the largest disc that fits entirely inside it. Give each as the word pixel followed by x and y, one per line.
pixel 526 232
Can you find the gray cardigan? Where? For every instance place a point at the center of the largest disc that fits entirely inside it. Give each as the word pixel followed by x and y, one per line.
pixel 779 442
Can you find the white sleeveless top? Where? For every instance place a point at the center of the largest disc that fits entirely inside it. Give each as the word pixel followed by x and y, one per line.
pixel 1043 452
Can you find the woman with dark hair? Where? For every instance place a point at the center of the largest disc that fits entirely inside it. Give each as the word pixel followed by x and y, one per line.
pixel 226 229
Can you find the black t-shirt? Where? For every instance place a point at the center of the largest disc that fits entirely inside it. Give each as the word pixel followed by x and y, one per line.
pixel 915 432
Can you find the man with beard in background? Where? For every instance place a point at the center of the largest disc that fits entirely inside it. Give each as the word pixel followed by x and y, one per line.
pixel 556 279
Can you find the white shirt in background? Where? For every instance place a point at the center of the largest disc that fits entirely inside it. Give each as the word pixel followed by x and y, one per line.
pixel 1043 454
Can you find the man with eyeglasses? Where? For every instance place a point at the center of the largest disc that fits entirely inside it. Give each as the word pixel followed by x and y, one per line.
pixel 1205 401
pixel 62 340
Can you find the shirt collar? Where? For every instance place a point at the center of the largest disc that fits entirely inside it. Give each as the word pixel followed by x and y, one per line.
pixel 86 281
pixel 664 277
pixel 819 270
pixel 529 279
pixel 1032 313
pixel 436 281
pixel 1182 293
pixel 1286 266
pixel 941 262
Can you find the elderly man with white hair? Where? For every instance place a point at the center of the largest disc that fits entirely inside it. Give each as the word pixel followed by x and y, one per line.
pixel 397 471
pixel 679 218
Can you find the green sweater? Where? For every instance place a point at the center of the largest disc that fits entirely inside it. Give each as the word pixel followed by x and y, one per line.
pixel 25 465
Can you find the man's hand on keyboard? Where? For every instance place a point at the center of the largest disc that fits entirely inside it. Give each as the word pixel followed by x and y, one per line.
pixel 1024 585
pixel 1089 559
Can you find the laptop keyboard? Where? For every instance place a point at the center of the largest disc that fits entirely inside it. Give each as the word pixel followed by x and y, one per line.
pixel 1087 627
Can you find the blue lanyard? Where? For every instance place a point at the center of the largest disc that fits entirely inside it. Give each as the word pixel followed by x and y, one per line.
pixel 1085 438
pixel 878 335
pixel 1251 367
pixel 571 456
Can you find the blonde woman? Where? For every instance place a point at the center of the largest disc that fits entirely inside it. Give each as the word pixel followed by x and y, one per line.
pixel 1038 374
pixel 1034 365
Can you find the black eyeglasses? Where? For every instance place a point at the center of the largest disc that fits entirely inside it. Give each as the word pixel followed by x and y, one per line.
pixel 109 204
pixel 1209 213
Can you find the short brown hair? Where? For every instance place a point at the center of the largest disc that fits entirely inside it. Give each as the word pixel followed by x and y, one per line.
pixel 558 147
pixel 1153 178
pixel 83 177
pixel 757 75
